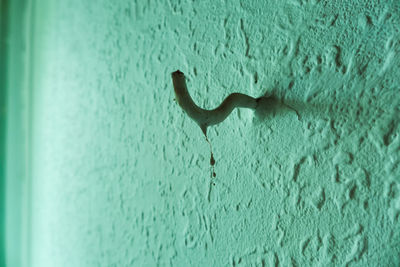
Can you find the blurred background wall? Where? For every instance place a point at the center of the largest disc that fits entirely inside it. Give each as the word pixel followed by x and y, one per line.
pixel 15 85
pixel 3 127
pixel 118 175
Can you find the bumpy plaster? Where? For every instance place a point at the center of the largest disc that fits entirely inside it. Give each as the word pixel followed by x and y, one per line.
pixel 117 182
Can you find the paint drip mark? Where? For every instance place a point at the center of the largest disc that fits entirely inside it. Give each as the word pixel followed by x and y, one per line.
pixel 212 160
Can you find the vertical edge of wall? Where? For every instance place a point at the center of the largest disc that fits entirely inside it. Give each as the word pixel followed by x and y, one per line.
pixel 17 133
pixel 3 96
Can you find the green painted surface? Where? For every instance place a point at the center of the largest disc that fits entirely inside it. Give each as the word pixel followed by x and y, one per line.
pixel 17 133
pixel 3 96
pixel 121 176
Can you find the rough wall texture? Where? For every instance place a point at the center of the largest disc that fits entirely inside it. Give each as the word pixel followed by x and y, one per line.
pixel 121 175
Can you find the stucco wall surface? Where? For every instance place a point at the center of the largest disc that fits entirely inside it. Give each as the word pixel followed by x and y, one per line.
pixel 121 176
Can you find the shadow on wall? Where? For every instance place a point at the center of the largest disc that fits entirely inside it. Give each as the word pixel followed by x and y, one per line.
pixel 360 103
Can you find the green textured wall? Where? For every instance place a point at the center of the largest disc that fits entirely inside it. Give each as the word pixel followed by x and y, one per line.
pixel 121 176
